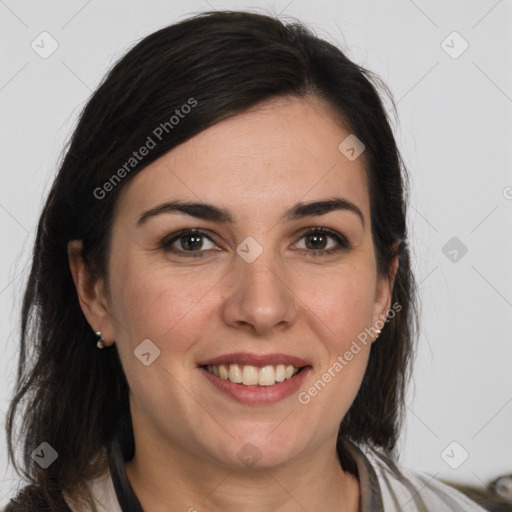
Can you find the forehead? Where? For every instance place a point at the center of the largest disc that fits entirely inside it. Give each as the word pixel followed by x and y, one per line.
pixel 262 160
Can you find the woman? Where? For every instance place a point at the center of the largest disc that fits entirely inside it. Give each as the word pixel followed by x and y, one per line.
pixel 221 302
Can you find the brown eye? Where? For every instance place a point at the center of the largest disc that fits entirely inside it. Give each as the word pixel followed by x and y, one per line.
pixel 191 242
pixel 187 242
pixel 317 242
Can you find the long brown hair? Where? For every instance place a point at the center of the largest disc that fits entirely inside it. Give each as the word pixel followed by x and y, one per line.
pixel 75 397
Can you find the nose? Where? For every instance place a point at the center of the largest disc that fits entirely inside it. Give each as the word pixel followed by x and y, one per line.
pixel 260 296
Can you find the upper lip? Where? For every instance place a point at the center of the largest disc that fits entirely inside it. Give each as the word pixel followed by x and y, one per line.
pixel 249 358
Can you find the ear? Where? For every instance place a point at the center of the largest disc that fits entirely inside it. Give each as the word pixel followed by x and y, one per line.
pixel 384 292
pixel 91 293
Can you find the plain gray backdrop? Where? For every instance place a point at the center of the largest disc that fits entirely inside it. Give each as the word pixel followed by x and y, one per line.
pixel 448 67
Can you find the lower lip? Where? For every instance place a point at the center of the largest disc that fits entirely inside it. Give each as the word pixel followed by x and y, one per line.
pixel 258 394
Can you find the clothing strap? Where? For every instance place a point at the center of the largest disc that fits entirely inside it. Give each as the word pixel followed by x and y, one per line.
pixel 370 495
pixel 126 497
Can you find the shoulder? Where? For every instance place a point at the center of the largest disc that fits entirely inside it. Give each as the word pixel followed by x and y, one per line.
pixel 411 491
pixel 31 498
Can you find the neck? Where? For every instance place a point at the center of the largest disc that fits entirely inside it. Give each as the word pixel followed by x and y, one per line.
pixel 175 479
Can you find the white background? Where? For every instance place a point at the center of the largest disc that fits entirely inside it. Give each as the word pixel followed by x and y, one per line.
pixel 454 132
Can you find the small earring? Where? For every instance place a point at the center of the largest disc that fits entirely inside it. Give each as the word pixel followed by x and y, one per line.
pixel 100 343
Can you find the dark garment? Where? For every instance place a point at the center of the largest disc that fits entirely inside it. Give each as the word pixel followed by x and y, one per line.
pixel 124 492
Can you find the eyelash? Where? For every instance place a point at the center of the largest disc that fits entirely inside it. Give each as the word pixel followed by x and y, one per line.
pixel 344 244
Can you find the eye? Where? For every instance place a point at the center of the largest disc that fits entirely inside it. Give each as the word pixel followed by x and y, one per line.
pixel 316 239
pixel 189 241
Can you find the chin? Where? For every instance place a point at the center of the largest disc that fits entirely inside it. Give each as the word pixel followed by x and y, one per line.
pixel 262 449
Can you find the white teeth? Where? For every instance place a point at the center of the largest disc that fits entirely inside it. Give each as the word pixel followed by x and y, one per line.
pixel 267 376
pixel 249 375
pixel 224 372
pixel 280 373
pixel 235 374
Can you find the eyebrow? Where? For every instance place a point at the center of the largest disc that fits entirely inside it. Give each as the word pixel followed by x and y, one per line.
pixel 207 211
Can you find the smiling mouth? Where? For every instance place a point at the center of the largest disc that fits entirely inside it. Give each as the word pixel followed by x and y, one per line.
pixel 248 375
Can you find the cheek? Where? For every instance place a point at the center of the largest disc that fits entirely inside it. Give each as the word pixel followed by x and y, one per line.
pixel 170 311
pixel 340 307
pixel 160 304
pixel 343 301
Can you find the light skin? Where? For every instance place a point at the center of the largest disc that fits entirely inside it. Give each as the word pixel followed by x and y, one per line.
pixel 256 165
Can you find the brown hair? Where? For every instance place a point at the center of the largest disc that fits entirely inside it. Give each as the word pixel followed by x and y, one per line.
pixel 77 396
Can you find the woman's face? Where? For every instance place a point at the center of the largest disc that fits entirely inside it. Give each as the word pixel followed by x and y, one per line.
pixel 252 286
